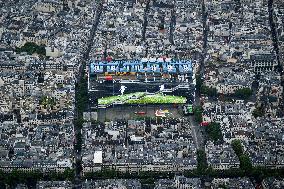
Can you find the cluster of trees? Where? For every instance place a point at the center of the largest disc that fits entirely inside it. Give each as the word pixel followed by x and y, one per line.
pixel 113 174
pixel 199 83
pixel 149 177
pixel 214 132
pixel 82 101
pixel 197 111
pixel 244 93
pixel 237 147
pixel 201 162
pixel 201 88
pixel 31 48
pixel 258 112
pixel 78 144
pixel 258 173
pixel 30 178
pixel 245 162
pixel 82 97
pixel 209 91
pixel 246 169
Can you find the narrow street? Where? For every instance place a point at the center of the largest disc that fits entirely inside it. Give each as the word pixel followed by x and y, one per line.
pixel 145 20
pixel 205 34
pixel 276 43
pixel 172 25
pixel 195 127
pixel 196 133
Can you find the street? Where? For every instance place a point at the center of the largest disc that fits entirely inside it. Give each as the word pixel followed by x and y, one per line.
pixel 196 133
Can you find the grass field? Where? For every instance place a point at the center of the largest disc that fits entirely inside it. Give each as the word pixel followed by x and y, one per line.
pixel 142 98
pixel 121 98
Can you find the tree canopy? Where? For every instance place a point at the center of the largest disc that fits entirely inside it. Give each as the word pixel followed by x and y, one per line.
pixel 198 82
pixel 209 91
pixel 244 93
pixel 201 162
pixel 258 112
pixel 30 178
pixel 245 163
pixel 31 48
pixel 197 111
pixel 237 146
pixel 213 132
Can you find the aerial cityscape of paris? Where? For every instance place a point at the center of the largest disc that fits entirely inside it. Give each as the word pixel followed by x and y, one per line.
pixel 141 94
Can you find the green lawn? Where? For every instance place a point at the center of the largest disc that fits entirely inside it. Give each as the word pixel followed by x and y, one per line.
pixel 158 99
pixel 143 99
pixel 122 98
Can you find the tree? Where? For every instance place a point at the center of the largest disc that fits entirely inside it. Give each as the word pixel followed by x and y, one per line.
pixel 79 122
pixel 258 112
pixel 237 146
pixel 68 174
pixel 198 82
pixel 214 132
pixel 197 111
pixel 31 48
pixel 245 163
pixel 244 93
pixel 82 96
pixel 201 162
pixel 209 91
pixel 259 173
pixel 78 145
pixel 32 178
